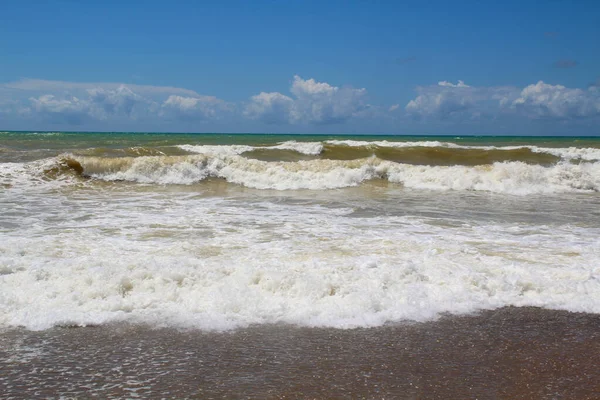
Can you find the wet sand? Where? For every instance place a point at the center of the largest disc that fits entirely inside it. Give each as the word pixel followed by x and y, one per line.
pixel 511 353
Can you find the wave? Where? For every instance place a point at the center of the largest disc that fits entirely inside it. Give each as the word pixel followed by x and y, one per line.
pixel 222 150
pixel 429 165
pixel 49 172
pixel 501 177
pixel 186 170
pixel 307 148
pixel 568 153
pixel 33 133
pixel 417 153
pixel 134 151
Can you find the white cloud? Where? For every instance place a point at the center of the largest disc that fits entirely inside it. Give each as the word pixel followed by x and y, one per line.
pixel 541 100
pixel 460 84
pixel 313 102
pixel 98 103
pixel 110 105
pixel 272 108
pixel 41 85
pixel 122 101
pixel 76 103
pixel 544 100
pixel 72 109
pixel 449 101
pixel 322 103
pixel 443 100
pixel 201 107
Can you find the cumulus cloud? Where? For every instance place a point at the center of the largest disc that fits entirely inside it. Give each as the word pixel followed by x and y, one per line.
pixel 272 108
pixel 312 102
pixel 460 84
pixel 97 103
pixel 543 100
pixel 438 101
pixel 452 101
pixel 122 101
pixel 76 103
pixel 200 107
pixel 72 109
pixel 309 102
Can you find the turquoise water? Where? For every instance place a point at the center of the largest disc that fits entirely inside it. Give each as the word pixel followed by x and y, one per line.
pixel 242 138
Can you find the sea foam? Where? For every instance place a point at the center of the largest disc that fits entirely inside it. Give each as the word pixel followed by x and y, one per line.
pixel 215 264
pixel 501 177
pixel 567 153
pixel 307 148
pixel 319 174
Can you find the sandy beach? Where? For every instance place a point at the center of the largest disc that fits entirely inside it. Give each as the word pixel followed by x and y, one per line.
pixel 511 353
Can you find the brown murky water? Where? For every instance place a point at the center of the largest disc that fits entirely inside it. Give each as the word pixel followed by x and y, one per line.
pixel 512 353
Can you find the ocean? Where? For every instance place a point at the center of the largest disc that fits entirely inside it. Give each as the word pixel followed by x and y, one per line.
pixel 218 234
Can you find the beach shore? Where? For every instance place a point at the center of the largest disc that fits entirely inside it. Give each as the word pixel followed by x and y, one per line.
pixel 510 353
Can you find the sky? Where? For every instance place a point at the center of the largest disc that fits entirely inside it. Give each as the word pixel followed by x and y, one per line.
pixel 386 67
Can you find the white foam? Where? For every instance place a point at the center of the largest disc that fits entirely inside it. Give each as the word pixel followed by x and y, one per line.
pixel 566 153
pixel 308 148
pixel 32 174
pixel 506 177
pixel 570 153
pixel 210 263
pixel 314 174
pixel 385 143
pixel 46 133
pixel 218 150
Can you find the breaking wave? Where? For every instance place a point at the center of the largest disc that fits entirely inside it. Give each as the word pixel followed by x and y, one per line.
pixel 570 153
pixel 333 164
pixel 501 177
pixel 418 153
pixel 307 148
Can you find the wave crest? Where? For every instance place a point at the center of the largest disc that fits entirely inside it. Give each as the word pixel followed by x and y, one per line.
pixel 501 177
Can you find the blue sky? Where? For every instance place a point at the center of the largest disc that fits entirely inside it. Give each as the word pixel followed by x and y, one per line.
pixel 413 67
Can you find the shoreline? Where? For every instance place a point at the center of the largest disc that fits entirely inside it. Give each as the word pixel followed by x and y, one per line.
pixel 506 353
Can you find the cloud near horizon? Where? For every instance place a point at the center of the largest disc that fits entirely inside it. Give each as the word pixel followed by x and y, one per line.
pixel 556 101
pixel 449 101
pixel 77 103
pixel 310 103
pixel 194 108
pixel 74 103
pixel 453 102
pixel 313 102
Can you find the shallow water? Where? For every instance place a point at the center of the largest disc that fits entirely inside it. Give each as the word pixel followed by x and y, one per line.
pixel 506 354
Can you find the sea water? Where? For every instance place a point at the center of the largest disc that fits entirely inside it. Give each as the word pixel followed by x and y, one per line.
pixel 217 232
